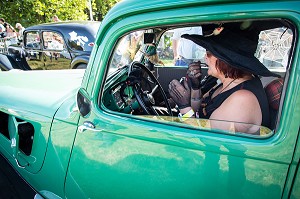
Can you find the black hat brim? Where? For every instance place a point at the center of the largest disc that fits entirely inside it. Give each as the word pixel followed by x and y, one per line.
pixel 233 57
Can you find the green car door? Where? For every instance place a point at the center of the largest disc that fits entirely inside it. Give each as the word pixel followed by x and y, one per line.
pixel 118 153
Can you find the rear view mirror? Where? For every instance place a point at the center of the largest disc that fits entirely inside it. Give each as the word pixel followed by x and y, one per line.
pixel 149 38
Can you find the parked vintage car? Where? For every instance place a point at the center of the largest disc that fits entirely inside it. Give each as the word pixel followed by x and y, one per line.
pixel 110 132
pixel 49 46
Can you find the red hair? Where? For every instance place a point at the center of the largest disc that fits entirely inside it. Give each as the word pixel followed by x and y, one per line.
pixel 227 69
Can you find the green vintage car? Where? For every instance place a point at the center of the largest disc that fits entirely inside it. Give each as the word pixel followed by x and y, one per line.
pixel 110 131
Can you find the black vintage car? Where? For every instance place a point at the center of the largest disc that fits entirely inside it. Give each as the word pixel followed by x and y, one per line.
pixel 50 46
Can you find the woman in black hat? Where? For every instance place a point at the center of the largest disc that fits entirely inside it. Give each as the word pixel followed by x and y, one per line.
pixel 240 99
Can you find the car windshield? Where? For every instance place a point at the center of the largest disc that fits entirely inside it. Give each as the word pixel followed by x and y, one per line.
pixel 130 48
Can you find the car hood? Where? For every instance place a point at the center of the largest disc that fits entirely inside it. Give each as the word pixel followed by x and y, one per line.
pixel 40 92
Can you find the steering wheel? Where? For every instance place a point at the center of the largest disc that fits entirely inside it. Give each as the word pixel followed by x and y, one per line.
pixel 145 98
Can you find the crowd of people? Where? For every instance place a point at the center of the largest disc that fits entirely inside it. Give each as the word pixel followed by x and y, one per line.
pixel 9 33
pixel 14 34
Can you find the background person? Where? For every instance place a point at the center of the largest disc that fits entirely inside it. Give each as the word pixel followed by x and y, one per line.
pixel 55 18
pixel 21 31
pixel 11 35
pixel 240 98
pixel 184 50
pixel 2 21
pixel 2 31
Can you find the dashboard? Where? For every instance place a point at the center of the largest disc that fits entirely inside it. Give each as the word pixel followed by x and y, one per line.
pixel 118 96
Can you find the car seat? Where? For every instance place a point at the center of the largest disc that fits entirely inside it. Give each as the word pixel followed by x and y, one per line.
pixel 273 91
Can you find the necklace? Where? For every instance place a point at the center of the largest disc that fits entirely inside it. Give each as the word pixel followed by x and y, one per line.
pixel 226 86
pixel 208 99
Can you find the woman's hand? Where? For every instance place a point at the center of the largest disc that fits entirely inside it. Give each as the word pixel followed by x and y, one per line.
pixel 181 94
pixel 194 75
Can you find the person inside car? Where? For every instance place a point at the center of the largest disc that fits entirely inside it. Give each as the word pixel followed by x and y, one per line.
pixel 239 101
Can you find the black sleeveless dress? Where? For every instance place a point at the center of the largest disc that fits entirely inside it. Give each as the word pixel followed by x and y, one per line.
pixel 209 104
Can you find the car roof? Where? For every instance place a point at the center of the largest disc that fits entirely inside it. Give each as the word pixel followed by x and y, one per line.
pixel 137 6
pixel 65 25
pixel 129 7
pixel 87 28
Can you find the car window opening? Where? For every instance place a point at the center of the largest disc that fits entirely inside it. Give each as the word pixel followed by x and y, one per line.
pixel 148 85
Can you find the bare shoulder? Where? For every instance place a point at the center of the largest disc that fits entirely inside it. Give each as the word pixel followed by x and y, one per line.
pixel 240 100
pixel 241 106
pixel 241 96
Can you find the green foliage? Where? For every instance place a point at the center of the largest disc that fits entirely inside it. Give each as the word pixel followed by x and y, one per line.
pixel 30 12
pixel 102 7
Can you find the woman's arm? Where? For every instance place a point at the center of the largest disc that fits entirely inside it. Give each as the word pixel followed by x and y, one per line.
pixel 196 98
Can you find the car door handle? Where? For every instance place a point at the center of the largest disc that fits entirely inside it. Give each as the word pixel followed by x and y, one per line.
pixel 87 125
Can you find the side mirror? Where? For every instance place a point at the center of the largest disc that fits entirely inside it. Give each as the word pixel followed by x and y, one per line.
pixel 83 103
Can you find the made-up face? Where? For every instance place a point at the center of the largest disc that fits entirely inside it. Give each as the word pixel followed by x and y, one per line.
pixel 211 62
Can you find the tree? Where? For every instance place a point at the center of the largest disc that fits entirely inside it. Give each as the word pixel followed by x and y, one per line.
pixel 102 7
pixel 30 12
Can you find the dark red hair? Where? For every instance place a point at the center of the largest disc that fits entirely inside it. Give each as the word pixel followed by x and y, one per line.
pixel 227 69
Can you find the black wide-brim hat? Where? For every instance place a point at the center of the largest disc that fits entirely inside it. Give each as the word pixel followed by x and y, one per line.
pixel 234 49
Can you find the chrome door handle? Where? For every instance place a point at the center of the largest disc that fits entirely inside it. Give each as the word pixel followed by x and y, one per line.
pixel 87 125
